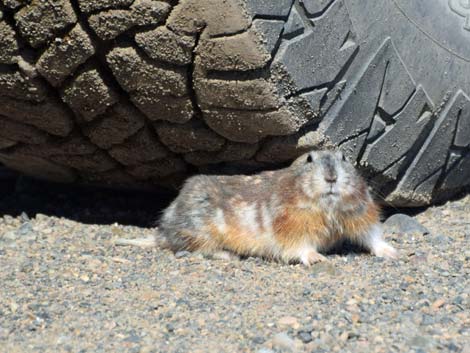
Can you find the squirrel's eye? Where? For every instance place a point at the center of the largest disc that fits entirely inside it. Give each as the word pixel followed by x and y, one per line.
pixel 309 158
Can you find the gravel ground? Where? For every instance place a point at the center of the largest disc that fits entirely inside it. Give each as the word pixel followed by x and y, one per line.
pixel 65 287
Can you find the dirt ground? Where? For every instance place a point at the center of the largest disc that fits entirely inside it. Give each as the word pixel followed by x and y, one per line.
pixel 66 288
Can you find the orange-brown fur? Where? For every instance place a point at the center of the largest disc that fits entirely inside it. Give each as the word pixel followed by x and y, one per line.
pixel 356 225
pixel 294 226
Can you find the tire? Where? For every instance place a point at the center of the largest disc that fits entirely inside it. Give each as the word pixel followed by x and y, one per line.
pixel 139 93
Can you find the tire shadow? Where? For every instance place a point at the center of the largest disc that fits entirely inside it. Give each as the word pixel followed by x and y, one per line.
pixel 84 204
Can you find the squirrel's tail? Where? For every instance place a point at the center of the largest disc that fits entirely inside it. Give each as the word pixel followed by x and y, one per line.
pixel 149 242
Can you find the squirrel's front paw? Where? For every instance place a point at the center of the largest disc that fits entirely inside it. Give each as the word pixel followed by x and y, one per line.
pixel 311 257
pixel 385 250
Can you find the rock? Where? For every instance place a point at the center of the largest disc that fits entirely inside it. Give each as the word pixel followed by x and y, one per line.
pixel 305 337
pixel 283 341
pixel 452 347
pixel 10 236
pixel 355 318
pixel 25 229
pixel 288 321
pixel 344 336
pixel 258 340
pixel 323 268
pixel 428 320
pixel 401 223
pixel 133 339
pixel 438 303
pixel 421 342
pixel 181 254
pixel 14 307
pixel 264 350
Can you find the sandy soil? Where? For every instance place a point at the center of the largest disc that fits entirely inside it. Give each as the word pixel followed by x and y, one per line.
pixel 66 288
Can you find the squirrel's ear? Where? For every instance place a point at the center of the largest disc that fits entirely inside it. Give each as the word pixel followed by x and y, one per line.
pixel 301 160
pixel 304 159
pixel 341 155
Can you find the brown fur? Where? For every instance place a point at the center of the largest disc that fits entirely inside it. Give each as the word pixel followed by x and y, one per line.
pixel 293 226
pixel 355 225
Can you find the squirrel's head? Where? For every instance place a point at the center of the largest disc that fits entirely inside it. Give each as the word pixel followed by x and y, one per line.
pixel 326 177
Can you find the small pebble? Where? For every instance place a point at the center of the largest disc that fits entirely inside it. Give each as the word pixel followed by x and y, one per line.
pixel 265 350
pixel 289 321
pixel 305 337
pixel 437 304
pixel 283 341
pixel 181 254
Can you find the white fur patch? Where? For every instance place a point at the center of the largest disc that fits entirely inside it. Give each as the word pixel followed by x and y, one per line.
pixel 219 221
pixel 305 254
pixel 224 255
pixel 267 221
pixel 247 218
pixel 379 247
pixel 341 184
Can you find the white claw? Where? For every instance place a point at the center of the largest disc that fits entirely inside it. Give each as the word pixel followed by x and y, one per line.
pixel 386 251
pixel 311 257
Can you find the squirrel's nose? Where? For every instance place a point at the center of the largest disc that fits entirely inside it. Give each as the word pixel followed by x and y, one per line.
pixel 330 178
